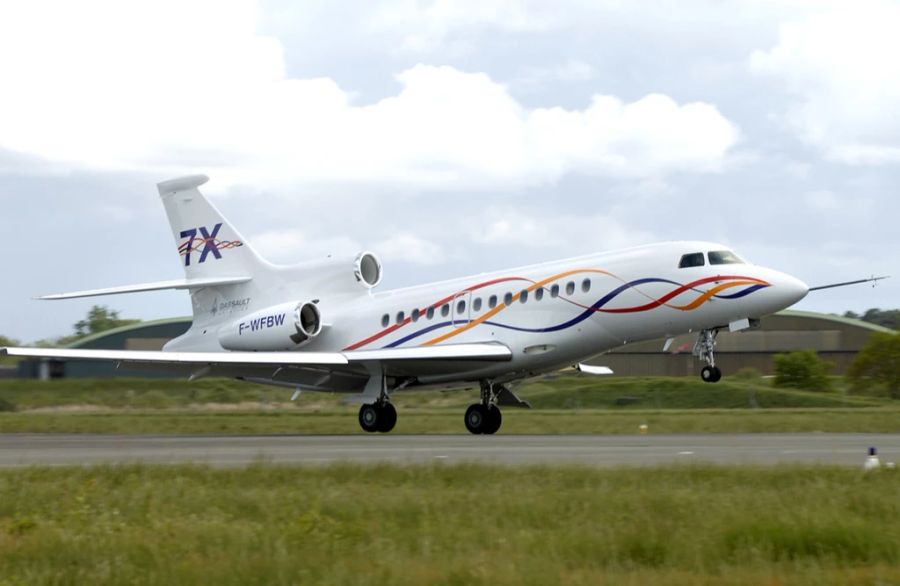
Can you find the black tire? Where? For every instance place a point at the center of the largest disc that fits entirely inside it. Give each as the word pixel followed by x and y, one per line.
pixel 370 417
pixel 495 419
pixel 387 418
pixel 708 374
pixel 476 418
pixel 717 374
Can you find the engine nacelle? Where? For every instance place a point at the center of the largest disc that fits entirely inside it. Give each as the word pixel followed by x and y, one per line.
pixel 337 276
pixel 280 327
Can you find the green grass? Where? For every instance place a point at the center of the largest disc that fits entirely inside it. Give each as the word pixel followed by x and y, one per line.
pixel 466 524
pixel 562 405
pixel 450 421
pixel 625 393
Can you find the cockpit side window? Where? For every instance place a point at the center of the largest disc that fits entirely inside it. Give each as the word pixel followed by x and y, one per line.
pixel 694 259
pixel 723 257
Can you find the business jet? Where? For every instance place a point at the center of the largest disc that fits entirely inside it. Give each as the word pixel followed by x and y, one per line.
pixel 319 326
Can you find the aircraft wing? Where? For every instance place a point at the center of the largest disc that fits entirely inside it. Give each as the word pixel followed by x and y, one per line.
pixel 490 351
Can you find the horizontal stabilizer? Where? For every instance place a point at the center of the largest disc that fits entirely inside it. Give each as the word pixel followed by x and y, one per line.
pixel 157 286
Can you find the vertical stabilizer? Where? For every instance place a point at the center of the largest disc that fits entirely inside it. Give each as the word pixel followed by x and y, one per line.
pixel 207 244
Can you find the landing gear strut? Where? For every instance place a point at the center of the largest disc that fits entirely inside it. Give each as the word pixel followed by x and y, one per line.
pixel 484 417
pixel 704 349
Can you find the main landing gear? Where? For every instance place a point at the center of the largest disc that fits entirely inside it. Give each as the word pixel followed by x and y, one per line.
pixel 379 416
pixel 484 417
pixel 704 349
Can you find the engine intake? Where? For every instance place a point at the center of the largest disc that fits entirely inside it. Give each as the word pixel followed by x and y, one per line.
pixel 280 327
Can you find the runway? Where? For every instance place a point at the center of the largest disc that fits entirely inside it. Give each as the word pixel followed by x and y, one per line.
pixel 18 450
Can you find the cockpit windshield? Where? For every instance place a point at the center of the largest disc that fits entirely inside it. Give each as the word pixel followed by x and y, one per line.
pixel 723 257
pixel 694 259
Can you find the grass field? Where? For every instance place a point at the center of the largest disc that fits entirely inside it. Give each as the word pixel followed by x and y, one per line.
pixel 563 405
pixel 561 393
pixel 450 421
pixel 438 524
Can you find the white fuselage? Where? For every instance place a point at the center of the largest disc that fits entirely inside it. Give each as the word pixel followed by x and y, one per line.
pixel 550 315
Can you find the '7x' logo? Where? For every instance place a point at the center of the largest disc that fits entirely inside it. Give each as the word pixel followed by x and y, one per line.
pixel 208 239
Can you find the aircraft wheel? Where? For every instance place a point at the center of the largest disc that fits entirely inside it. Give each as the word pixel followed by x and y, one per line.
pixel 370 417
pixel 495 418
pixel 710 374
pixel 476 418
pixel 387 418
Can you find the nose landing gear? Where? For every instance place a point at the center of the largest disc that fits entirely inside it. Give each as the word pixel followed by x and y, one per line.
pixel 704 349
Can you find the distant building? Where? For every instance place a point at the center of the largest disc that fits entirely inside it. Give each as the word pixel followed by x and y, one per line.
pixel 148 335
pixel 836 339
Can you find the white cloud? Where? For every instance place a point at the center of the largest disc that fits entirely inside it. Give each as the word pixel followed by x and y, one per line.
pixel 167 89
pixel 573 70
pixel 841 64
pixel 289 246
pixel 426 26
pixel 408 247
pixel 822 200
pixel 558 233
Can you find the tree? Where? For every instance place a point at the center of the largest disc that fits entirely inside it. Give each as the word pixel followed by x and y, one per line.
pixel 4 341
pixel 877 365
pixel 888 318
pixel 802 370
pixel 99 319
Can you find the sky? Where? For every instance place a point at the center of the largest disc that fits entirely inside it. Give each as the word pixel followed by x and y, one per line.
pixel 449 137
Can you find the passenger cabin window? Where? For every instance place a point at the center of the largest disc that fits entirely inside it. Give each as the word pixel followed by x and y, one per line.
pixel 476 305
pixel 400 316
pixel 554 291
pixel 586 285
pixel 429 313
pixel 492 301
pixel 415 315
pixel 461 307
pixel 445 309
pixel 385 320
pixel 507 299
pixel 523 296
pixel 723 257
pixel 570 287
pixel 538 293
pixel 694 259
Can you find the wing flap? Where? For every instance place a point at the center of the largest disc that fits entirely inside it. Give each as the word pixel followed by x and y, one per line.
pixel 157 286
pixel 493 351
pixel 204 358
pixel 485 351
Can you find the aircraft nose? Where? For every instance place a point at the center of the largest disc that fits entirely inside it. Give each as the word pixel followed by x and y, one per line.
pixel 792 288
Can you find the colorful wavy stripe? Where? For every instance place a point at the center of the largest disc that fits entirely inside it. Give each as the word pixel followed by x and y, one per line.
pixel 189 245
pixel 751 285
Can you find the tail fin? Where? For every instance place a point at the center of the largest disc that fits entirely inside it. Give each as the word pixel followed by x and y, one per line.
pixel 207 243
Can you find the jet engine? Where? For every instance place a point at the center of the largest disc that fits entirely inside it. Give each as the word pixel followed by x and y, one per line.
pixel 280 327
pixel 339 276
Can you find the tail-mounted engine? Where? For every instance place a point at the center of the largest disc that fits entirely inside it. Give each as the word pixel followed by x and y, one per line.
pixel 337 276
pixel 280 327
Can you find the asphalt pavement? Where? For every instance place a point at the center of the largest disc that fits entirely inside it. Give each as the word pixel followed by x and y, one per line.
pixel 17 450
